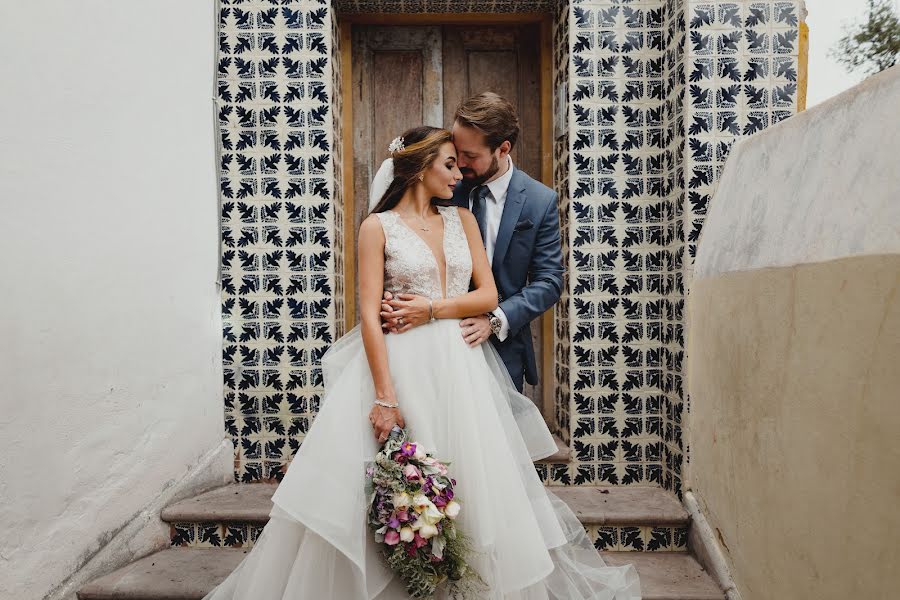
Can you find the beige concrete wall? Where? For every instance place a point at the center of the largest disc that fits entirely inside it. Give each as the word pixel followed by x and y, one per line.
pixel 795 412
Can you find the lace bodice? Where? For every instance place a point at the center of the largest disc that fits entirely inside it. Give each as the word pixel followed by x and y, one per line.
pixel 411 267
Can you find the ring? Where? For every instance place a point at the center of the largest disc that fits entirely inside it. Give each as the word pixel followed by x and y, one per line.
pixel 400 320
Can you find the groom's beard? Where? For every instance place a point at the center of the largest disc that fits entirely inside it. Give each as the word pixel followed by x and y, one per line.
pixel 482 177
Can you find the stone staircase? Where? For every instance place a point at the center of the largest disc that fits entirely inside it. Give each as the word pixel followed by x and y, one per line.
pixel 212 532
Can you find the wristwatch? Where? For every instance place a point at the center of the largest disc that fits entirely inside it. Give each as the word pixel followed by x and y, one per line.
pixel 495 322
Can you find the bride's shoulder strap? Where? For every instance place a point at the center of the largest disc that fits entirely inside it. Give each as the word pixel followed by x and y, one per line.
pixel 388 221
pixel 450 211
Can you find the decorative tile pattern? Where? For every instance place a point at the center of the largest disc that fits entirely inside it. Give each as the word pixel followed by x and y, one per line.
pixel 443 6
pixel 275 108
pixel 561 419
pixel 672 303
pixel 214 535
pixel 620 250
pixel 657 91
pixel 660 91
pixel 638 539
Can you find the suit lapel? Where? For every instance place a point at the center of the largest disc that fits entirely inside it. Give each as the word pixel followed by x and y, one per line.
pixel 515 201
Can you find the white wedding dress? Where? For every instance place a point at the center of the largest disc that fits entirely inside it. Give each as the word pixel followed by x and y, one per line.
pixel 460 403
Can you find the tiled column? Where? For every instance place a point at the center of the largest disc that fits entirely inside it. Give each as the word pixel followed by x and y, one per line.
pixel 619 249
pixel 660 90
pixel 275 110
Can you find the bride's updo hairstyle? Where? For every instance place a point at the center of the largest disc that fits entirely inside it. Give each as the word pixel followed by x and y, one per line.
pixel 421 146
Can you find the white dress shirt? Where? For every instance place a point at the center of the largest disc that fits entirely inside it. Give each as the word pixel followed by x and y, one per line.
pixel 493 211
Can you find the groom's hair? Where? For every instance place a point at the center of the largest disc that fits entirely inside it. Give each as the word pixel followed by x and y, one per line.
pixel 492 115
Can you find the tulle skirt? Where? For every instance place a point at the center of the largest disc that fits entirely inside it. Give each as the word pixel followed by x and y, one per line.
pixel 460 403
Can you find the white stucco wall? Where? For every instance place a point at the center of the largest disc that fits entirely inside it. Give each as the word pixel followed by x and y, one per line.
pixel 829 187
pixel 793 345
pixel 110 326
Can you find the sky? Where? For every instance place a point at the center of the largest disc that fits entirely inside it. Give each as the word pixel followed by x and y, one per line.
pixel 825 20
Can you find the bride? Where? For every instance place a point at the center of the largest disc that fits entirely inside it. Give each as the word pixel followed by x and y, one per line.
pixel 456 400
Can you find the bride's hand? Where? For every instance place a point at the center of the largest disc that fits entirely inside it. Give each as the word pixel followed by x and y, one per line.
pixel 383 419
pixel 408 311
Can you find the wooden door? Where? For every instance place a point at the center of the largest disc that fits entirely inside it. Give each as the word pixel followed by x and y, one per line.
pixel 404 76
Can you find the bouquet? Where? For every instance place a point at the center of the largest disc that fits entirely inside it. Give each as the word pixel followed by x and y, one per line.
pixel 412 513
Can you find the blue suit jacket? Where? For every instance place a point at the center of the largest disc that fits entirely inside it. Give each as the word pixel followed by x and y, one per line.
pixel 527 265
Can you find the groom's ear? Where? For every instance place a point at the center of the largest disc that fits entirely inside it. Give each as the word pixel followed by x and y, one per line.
pixel 505 148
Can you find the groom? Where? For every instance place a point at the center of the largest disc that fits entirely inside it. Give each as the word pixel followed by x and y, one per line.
pixel 519 225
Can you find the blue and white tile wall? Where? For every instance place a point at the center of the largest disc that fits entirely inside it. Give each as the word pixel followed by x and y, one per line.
pixel 275 108
pixel 618 258
pixel 444 6
pixel 658 92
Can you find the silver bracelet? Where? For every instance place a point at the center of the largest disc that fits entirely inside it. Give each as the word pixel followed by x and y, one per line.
pixel 385 404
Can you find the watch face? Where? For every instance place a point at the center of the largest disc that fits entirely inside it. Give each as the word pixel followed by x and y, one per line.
pixel 495 324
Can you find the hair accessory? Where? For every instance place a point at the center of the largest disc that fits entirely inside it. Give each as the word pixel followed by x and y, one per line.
pixel 396 145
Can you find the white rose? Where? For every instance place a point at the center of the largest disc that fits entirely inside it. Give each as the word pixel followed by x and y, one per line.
pixel 452 509
pixel 428 531
pixel 431 514
pixel 419 454
pixel 401 501
pixel 407 534
pixel 420 502
pixel 418 524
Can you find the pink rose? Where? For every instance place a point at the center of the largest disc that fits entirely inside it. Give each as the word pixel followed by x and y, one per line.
pixel 392 538
pixel 411 472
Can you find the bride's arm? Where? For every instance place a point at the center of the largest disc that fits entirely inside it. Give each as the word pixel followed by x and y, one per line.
pixel 484 297
pixel 371 283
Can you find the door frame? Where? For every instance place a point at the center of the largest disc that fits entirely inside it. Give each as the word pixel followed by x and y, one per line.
pixel 345 26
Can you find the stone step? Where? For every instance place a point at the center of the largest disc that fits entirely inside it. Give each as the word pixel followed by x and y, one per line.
pixel 616 518
pixel 594 505
pixel 668 575
pixel 189 574
pixel 623 505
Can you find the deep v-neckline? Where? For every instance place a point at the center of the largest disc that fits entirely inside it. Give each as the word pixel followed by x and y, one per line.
pixel 442 274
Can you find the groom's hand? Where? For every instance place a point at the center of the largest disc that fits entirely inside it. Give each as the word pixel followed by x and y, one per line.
pixel 475 330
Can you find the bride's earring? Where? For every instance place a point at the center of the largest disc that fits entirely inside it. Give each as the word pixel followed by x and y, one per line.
pixel 421 176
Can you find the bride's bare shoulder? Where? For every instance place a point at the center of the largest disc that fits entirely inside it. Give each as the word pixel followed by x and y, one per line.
pixel 371 230
pixel 467 218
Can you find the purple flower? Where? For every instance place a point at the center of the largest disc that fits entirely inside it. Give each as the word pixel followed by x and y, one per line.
pixel 408 449
pixel 394 523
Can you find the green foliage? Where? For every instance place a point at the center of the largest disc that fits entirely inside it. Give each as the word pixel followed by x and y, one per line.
pixel 874 45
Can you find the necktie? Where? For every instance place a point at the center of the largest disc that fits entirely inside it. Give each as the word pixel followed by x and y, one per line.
pixel 479 208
